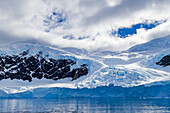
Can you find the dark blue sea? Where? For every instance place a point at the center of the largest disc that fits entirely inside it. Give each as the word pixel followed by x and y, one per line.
pixel 86 105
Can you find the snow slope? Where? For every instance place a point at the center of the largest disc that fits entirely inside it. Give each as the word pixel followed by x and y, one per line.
pixel 152 46
pixel 132 68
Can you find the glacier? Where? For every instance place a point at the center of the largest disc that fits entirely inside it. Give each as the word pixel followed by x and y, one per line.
pixel 130 73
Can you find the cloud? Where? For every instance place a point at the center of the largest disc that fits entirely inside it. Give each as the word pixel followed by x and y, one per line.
pixel 24 20
pixel 123 10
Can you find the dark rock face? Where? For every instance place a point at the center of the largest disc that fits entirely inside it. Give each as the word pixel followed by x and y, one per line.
pixel 25 67
pixel 165 61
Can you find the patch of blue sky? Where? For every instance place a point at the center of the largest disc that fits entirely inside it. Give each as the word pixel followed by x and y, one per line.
pixel 71 37
pixel 125 32
pixel 53 20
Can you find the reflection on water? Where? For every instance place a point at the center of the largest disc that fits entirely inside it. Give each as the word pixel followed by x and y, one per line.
pixel 85 105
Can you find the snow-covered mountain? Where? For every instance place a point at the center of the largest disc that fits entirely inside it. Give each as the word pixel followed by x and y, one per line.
pixel 63 72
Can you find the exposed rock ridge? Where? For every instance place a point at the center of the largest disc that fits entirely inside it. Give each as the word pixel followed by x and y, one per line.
pixel 26 66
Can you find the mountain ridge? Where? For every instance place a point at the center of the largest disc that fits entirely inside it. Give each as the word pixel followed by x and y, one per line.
pixel 121 69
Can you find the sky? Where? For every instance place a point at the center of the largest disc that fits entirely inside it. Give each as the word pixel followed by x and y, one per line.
pixel 94 25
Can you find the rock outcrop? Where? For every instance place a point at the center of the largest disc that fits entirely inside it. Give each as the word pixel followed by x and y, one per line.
pixel 165 61
pixel 26 67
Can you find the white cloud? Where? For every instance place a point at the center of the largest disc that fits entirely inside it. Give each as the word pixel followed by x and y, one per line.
pixel 23 19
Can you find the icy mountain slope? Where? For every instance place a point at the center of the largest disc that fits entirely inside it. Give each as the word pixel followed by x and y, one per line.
pixel 154 45
pixel 135 68
pixel 125 76
pixel 150 60
pixel 17 85
pixel 132 68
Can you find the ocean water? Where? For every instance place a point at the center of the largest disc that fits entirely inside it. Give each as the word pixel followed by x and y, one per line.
pixel 86 105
